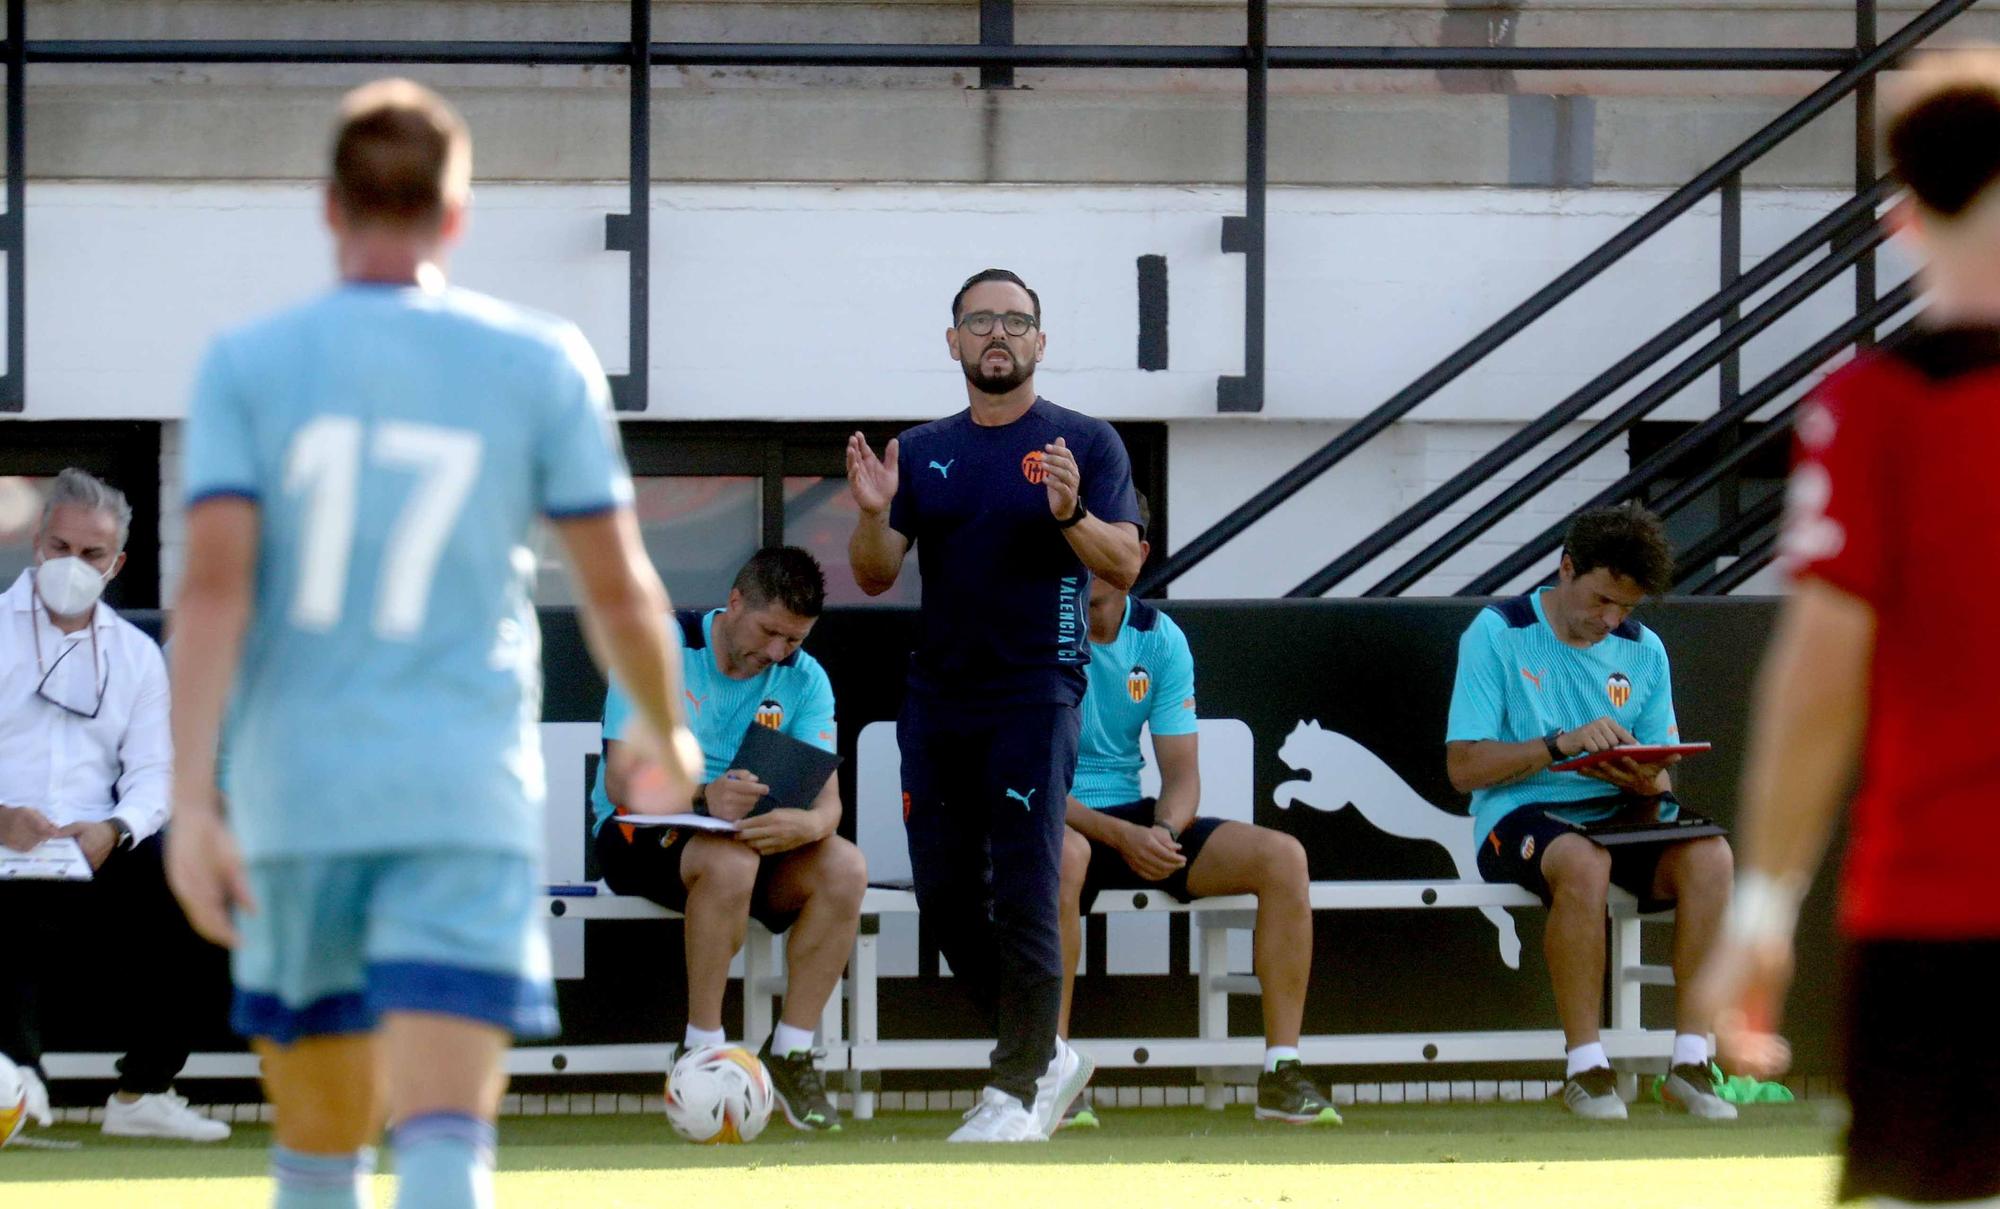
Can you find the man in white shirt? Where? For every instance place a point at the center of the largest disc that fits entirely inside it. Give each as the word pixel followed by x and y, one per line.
pixel 85 756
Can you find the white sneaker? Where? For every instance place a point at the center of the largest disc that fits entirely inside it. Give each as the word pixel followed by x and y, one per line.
pixel 1059 1085
pixel 1593 1095
pixel 1690 1089
pixel 38 1098
pixel 998 1117
pixel 160 1115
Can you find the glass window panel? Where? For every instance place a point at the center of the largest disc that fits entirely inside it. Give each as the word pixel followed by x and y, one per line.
pixel 819 516
pixel 698 529
pixel 21 499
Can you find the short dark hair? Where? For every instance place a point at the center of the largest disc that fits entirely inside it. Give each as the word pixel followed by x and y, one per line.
pixel 994 275
pixel 1145 513
pixel 1627 541
pixel 400 155
pixel 1944 131
pixel 1946 148
pixel 783 575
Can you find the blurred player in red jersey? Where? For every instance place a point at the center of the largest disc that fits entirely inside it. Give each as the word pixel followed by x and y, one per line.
pixel 1885 659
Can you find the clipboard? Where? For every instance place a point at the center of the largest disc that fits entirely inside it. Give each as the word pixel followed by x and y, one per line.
pixel 795 770
pixel 57 860
pixel 1645 753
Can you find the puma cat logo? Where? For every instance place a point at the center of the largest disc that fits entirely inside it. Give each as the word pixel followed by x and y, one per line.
pixel 944 471
pixel 1025 803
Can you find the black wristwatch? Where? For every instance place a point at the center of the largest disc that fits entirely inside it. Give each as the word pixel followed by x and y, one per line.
pixel 124 830
pixel 1556 755
pixel 1075 518
pixel 1167 827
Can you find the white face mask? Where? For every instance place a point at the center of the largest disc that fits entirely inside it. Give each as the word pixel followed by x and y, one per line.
pixel 68 586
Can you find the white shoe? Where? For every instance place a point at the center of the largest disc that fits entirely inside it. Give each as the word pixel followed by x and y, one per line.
pixel 38 1098
pixel 1593 1095
pixel 160 1115
pixel 998 1117
pixel 1059 1085
pixel 1690 1089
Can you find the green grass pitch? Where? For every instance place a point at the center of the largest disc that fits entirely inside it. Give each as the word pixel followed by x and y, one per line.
pixel 1405 1157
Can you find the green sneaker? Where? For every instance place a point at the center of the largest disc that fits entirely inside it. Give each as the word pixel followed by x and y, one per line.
pixel 1079 1115
pixel 1289 1094
pixel 801 1091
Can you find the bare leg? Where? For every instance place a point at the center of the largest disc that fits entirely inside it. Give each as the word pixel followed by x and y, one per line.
pixel 1242 859
pixel 1579 876
pixel 719 874
pixel 1069 911
pixel 1697 875
pixel 824 883
pixel 442 1064
pixel 326 1092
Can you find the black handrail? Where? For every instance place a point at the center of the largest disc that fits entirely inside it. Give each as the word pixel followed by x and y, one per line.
pixel 1629 487
pixel 1732 337
pixel 1728 579
pixel 1542 301
pixel 938 55
pixel 1713 545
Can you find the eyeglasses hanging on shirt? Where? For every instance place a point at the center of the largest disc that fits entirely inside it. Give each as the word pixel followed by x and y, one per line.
pixel 70 682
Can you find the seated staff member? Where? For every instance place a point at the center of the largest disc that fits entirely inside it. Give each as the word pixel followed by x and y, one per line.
pixel 743 667
pixel 1559 672
pixel 1141 673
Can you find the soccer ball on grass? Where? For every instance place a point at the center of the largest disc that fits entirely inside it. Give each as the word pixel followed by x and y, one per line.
pixel 719 1094
pixel 13 1101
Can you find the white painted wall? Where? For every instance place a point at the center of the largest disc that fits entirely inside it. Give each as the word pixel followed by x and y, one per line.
pixel 795 302
pixel 813 302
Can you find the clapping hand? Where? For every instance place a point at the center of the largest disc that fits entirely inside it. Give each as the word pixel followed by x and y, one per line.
pixel 871 479
pixel 1063 481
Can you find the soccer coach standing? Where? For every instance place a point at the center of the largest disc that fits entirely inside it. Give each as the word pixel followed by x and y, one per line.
pixel 1013 504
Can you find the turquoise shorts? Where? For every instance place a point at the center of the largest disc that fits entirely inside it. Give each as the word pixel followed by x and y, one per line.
pixel 337 941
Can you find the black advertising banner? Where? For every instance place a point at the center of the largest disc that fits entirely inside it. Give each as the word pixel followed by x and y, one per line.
pixel 1333 716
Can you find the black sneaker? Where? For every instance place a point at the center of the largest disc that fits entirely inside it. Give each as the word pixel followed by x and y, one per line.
pixel 1289 1094
pixel 801 1091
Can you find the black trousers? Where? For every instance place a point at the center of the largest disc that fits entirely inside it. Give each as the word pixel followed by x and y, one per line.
pixel 114 952
pixel 984 794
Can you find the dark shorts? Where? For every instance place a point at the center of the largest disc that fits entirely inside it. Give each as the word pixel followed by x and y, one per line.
pixel 1513 853
pixel 1108 870
pixel 1920 1071
pixel 649 866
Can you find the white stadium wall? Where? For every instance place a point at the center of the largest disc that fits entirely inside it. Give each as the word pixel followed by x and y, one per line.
pixel 805 302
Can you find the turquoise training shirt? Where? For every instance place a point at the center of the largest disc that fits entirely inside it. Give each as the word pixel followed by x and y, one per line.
pixel 1143 677
pixel 1517 681
pixel 793 697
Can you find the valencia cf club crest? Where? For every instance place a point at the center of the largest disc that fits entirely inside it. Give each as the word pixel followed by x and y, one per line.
pixel 1032 467
pixel 1528 848
pixel 1139 683
pixel 1619 689
pixel 770 713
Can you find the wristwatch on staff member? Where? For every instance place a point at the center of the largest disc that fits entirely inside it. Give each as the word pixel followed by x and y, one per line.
pixel 1075 518
pixel 125 837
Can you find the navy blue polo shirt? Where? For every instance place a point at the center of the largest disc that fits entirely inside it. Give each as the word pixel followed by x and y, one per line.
pixel 1005 600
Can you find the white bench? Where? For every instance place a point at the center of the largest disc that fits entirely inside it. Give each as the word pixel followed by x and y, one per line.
pixel 857 1046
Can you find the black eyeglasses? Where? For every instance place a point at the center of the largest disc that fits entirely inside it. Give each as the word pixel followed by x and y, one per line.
pixel 65 694
pixel 980 323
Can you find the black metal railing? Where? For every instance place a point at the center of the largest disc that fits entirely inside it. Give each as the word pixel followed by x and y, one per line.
pixel 1855 224
pixel 996 56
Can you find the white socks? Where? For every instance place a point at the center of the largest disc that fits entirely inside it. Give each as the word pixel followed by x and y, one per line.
pixel 698 1037
pixel 787 1040
pixel 1279 1053
pixel 1585 1057
pixel 1690 1050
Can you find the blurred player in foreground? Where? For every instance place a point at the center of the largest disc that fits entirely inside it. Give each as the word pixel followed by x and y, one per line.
pixel 1883 655
pixel 363 475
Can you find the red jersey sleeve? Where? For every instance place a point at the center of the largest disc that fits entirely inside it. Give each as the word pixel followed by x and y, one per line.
pixel 1834 526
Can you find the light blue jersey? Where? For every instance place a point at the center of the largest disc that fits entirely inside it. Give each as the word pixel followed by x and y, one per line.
pixel 400 444
pixel 1143 677
pixel 794 698
pixel 1517 681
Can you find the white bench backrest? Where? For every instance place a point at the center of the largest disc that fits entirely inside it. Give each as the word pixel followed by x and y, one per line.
pixel 1228 755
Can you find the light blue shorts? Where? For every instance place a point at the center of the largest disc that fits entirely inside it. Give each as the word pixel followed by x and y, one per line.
pixel 339 940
